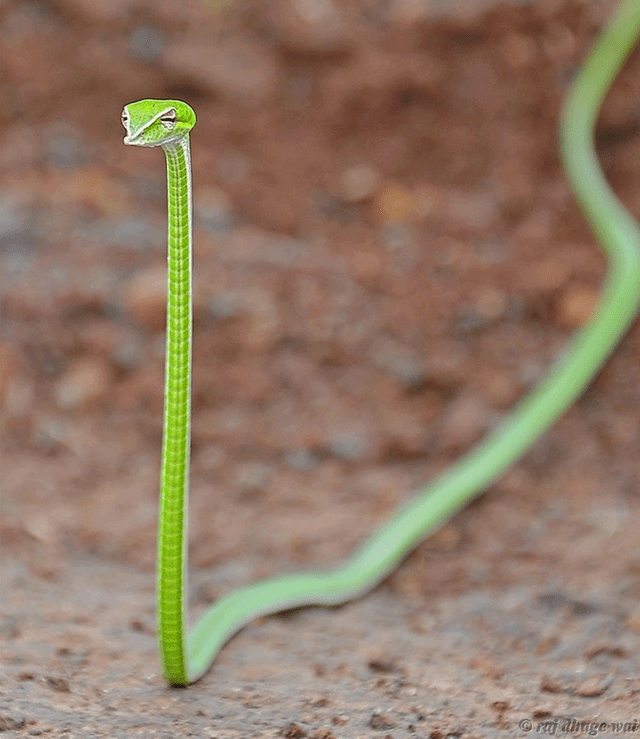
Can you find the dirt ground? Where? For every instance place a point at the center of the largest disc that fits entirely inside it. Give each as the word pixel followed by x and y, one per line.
pixel 387 258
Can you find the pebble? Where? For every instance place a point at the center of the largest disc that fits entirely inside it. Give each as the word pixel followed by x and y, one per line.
pixel 400 361
pixel 84 380
pixel 474 210
pixel 559 43
pixel 302 459
pixel 251 477
pixel 394 202
pixel 465 420
pixel 426 200
pixel 593 687
pixel 224 305
pixel 349 446
pixel 144 297
pixel 12 722
pixel 499 387
pixel 550 274
pixel 367 265
pixel 446 366
pixel 518 50
pixel 359 183
pixel 576 306
pixel 445 539
pixel 406 435
pixel 128 353
pixel 491 303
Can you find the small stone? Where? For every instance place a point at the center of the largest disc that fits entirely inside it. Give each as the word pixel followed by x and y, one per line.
pixel 550 685
pixel 593 687
pixel 293 731
pixel 474 210
pixel 406 435
pixel 446 366
pixel 349 446
pixel 445 539
pixel 367 265
pixel 381 722
pixel 85 380
pixel 426 201
pixel 550 274
pixel 145 297
pixel 519 50
pixel 322 733
pixel 598 649
pixel 559 42
pixel 491 303
pixel 12 723
pixel 359 183
pixel 59 684
pixel 400 361
pixel 223 306
pixel 41 527
pixel 394 202
pixel 465 420
pixel 302 459
pixel 251 477
pixel 499 387
pixel 576 306
pixel 127 354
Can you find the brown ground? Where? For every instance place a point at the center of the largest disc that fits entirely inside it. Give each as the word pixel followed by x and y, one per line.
pixel 388 257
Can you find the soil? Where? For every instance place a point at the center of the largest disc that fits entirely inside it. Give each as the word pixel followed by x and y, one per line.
pixel 387 258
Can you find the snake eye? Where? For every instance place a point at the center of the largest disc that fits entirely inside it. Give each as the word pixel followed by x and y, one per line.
pixel 124 118
pixel 169 119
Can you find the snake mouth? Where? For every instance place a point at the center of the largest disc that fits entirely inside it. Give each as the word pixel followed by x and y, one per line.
pixel 136 140
pixel 133 140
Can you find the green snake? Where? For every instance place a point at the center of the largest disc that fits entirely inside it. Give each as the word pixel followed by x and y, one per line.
pixel 167 123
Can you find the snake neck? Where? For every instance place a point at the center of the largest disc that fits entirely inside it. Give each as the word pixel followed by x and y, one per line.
pixel 174 484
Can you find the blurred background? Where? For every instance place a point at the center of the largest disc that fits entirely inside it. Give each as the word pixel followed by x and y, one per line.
pixel 387 257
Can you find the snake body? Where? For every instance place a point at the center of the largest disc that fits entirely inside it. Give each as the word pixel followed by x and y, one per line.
pixel 167 123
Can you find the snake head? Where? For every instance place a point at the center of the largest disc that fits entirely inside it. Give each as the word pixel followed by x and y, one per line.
pixel 157 122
